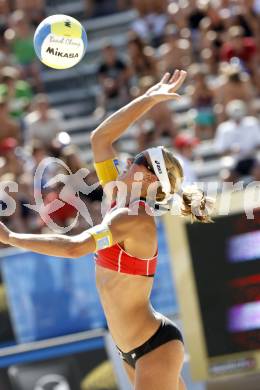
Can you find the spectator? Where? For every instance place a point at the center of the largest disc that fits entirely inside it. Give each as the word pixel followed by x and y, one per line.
pixel 65 213
pixel 177 15
pixel 194 15
pixel 93 199
pixel 237 45
pixel 114 76
pixel 175 52
pixel 26 196
pixel 20 39
pixel 9 128
pixel 12 164
pixel 249 16
pixel 14 221
pixel 141 57
pixel 159 6
pixel 34 10
pixel 202 101
pixel 17 92
pixel 156 123
pixel 44 123
pixel 240 134
pixel 5 56
pixel 234 85
pixel 96 8
pixel 71 157
pixel 189 18
pixel 215 17
pixel 38 156
pixel 143 7
pixel 150 25
pixel 255 171
pixel 123 5
pixel 185 144
pixel 4 13
pixel 209 45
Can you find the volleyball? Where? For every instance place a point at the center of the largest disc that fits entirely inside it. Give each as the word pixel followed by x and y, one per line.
pixel 60 41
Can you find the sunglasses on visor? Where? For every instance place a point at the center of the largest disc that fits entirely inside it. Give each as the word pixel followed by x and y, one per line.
pixel 140 159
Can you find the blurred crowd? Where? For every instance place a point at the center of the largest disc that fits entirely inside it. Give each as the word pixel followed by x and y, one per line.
pixel 31 130
pixel 217 42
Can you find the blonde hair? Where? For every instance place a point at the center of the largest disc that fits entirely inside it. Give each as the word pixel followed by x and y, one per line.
pixel 194 202
pixel 197 205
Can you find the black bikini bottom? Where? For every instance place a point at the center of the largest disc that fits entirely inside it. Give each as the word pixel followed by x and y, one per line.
pixel 166 332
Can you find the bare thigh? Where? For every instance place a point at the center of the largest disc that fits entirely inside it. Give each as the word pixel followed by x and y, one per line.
pixel 130 372
pixel 131 376
pixel 160 369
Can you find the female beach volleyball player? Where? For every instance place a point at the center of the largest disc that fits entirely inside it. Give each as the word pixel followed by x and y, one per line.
pixel 125 243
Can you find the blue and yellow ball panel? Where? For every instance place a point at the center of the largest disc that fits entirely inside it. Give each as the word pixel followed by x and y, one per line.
pixel 40 37
pixel 60 41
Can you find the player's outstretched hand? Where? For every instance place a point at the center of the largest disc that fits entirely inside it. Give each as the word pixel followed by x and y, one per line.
pixel 168 86
pixel 4 233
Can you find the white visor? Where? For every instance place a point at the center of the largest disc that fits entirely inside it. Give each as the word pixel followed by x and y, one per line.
pixel 157 160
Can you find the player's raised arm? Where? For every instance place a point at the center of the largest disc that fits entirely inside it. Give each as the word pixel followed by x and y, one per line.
pixel 113 127
pixel 103 137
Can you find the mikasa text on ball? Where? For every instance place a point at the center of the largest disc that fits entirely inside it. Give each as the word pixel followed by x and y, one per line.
pixel 60 41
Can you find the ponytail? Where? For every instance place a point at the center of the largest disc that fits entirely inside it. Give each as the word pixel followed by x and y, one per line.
pixel 196 205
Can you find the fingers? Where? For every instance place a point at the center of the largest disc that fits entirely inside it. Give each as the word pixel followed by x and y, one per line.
pixel 175 76
pixel 181 78
pixel 165 78
pixel 178 77
pixel 183 74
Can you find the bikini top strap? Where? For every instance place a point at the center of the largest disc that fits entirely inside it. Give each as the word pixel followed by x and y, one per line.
pixel 140 202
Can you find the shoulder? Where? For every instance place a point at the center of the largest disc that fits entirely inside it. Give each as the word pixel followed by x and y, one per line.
pixel 141 213
pixel 133 219
pixel 226 127
pixel 251 121
pixel 32 118
pixel 54 114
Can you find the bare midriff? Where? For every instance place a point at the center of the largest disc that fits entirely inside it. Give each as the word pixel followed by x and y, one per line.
pixel 126 303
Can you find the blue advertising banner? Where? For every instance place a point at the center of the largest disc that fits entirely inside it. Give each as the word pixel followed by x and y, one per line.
pixel 50 297
pixel 164 297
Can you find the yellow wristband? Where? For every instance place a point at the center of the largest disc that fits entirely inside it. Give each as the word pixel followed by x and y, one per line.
pixel 107 171
pixel 102 236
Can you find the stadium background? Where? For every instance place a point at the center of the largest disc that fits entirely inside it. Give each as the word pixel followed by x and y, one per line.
pixel 131 43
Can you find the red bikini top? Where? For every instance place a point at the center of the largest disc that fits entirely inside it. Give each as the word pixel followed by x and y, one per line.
pixel 117 259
